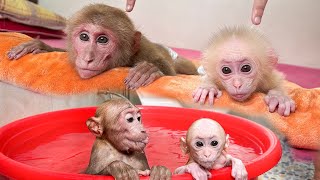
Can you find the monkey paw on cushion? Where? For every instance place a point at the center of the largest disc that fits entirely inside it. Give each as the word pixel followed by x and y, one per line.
pixel 206 144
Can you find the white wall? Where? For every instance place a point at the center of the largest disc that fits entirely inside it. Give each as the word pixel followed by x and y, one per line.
pixel 293 26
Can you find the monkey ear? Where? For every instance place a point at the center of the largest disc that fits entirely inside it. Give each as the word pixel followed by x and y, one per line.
pixel 94 126
pixel 136 43
pixel 272 57
pixel 226 145
pixel 183 145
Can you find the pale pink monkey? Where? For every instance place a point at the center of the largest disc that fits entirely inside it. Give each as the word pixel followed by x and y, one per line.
pixel 206 143
pixel 242 61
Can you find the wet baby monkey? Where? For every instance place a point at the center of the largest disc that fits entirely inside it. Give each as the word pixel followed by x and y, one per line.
pixel 241 61
pixel 120 141
pixel 206 144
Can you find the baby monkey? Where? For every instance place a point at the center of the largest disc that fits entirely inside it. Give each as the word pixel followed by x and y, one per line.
pixel 120 141
pixel 241 61
pixel 206 144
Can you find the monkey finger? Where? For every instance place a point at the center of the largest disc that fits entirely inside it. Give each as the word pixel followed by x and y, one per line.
pixel 267 99
pixel 219 94
pixel 136 73
pixel 15 51
pixel 287 108
pixel 144 173
pixel 195 92
pixel 281 106
pixel 197 95
pixel 203 96
pixel 37 51
pixel 152 78
pixel 148 78
pixel 211 97
pixel 134 79
pixel 273 103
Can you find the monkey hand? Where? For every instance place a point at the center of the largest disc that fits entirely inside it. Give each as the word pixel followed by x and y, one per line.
pixel 201 93
pixel 144 173
pixel 34 46
pixel 160 173
pixel 197 172
pixel 142 74
pixel 121 171
pixel 276 99
pixel 239 171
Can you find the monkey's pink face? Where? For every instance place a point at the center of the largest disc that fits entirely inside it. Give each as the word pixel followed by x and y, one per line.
pixel 206 149
pixel 237 70
pixel 134 134
pixel 94 47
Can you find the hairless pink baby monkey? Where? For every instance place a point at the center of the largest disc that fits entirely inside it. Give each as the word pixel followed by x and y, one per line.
pixel 241 61
pixel 206 144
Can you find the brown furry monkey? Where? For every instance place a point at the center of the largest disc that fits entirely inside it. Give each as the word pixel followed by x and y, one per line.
pixel 206 145
pixel 101 37
pixel 120 141
pixel 242 61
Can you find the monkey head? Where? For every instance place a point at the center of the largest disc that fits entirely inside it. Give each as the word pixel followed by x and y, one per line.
pixel 119 122
pixel 238 59
pixel 205 142
pixel 100 38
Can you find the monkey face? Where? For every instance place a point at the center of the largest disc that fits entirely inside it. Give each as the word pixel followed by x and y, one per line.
pixel 93 47
pixel 133 135
pixel 237 70
pixel 206 140
pixel 205 150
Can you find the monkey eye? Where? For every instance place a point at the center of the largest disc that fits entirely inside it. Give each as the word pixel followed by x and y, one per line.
pixel 139 118
pixel 246 68
pixel 84 37
pixel 214 143
pixel 226 70
pixel 199 144
pixel 102 39
pixel 130 120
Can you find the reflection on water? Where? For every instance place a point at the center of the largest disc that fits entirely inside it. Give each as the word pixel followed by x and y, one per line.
pixel 71 152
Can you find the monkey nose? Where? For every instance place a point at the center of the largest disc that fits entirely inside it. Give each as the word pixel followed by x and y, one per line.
pixel 143 131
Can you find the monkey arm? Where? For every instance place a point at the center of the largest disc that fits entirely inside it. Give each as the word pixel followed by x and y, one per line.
pixel 195 170
pixel 160 172
pixel 34 46
pixel 239 171
pixel 120 170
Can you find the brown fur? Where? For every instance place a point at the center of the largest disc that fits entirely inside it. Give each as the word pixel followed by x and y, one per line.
pixel 119 146
pixel 117 21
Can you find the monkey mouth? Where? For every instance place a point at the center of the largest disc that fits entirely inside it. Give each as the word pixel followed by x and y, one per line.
pixel 239 97
pixel 87 73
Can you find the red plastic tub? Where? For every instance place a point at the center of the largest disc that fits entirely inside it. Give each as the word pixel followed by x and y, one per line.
pixel 57 145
